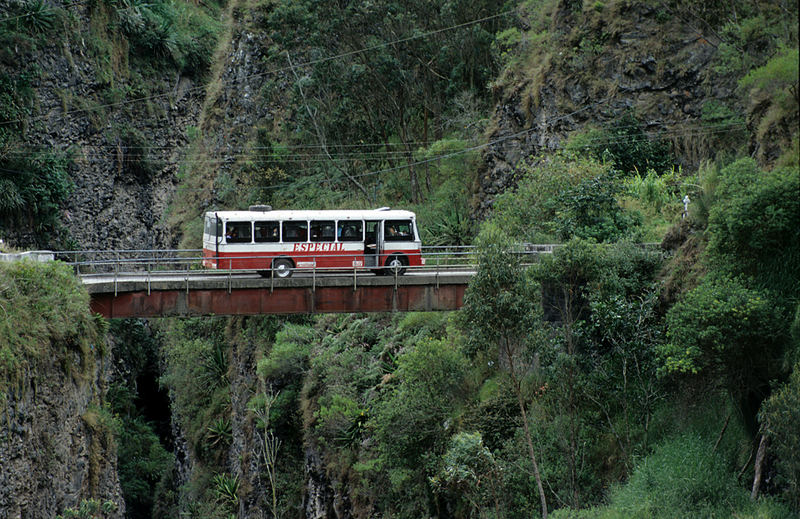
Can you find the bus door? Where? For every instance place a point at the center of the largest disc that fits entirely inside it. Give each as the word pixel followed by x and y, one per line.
pixel 373 243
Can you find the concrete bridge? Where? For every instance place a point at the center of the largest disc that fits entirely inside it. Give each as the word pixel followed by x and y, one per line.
pixel 172 283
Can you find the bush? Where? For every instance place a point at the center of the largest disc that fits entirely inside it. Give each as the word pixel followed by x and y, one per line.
pixel 625 145
pixel 728 333
pixel 590 210
pixel 753 226
pixel 528 213
pixel 143 462
pixel 45 313
pixel 780 417
pixel 682 478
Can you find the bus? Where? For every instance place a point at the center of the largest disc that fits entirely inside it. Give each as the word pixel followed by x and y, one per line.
pixel 280 242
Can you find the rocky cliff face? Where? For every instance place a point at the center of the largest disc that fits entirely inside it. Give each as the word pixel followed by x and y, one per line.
pixel 56 443
pixel 125 142
pixel 601 66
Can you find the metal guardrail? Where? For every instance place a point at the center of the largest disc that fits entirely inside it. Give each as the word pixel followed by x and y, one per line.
pixel 188 261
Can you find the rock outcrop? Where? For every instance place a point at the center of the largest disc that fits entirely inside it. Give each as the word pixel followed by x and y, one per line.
pixel 56 443
pixel 126 145
pixel 596 73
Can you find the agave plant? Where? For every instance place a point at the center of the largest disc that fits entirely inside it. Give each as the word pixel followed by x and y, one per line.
pixel 226 488
pixel 219 432
pixel 38 17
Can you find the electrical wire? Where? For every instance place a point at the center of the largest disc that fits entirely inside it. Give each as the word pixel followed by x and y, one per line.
pixel 269 72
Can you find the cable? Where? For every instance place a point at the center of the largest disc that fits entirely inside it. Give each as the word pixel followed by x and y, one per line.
pixel 324 158
pixel 270 72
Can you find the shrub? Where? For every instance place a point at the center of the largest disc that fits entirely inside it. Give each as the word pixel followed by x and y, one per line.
pixel 528 213
pixel 728 333
pixel 590 210
pixel 682 478
pixel 625 145
pixel 780 417
pixel 46 314
pixel 753 226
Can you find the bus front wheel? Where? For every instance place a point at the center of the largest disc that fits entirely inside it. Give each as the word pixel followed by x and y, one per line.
pixel 282 268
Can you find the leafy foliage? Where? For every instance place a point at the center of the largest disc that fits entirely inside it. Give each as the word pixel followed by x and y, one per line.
pixel 530 212
pixel 169 31
pixel 625 145
pixel 411 422
pixel 682 476
pixel 143 462
pixel 499 305
pixel 386 94
pixel 753 226
pixel 731 331
pixel 780 416
pixel 590 210
pixel 90 509
pixel 469 469
pixel 196 405
pixel 34 183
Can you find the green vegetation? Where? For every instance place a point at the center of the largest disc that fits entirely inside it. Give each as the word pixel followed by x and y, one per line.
pixel 46 319
pixel 33 183
pixel 625 145
pixel 606 379
pixel 178 34
pixel 144 464
pixel 90 509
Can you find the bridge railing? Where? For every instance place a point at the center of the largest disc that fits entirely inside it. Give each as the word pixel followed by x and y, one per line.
pixel 182 260
pixel 131 260
pixel 171 261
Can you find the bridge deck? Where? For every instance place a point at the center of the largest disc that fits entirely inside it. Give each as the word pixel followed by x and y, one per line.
pixel 198 293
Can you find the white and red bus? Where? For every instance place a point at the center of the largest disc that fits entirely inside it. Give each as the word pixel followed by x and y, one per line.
pixel 261 239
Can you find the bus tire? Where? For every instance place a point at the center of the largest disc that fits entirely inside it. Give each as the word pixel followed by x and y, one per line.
pixel 396 264
pixel 282 267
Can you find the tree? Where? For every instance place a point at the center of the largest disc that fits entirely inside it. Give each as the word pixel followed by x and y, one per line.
pixel 498 312
pixel 728 333
pixel 469 469
pixel 753 227
pixel 411 422
pixel 590 210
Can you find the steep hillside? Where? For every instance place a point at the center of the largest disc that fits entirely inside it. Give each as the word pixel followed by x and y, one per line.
pixel 98 100
pixel 607 380
pixel 709 81
pixel 57 445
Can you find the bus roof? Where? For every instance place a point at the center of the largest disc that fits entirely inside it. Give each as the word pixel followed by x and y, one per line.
pixel 341 214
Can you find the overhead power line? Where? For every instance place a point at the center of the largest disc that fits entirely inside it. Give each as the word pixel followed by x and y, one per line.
pixel 272 155
pixel 272 71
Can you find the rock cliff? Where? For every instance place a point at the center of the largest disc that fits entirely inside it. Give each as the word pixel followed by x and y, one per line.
pixel 57 446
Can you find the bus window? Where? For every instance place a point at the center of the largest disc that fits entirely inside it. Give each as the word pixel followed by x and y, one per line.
pixel 238 232
pixel 350 230
pixel 398 230
pixel 266 232
pixel 295 231
pixel 210 226
pixel 322 230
